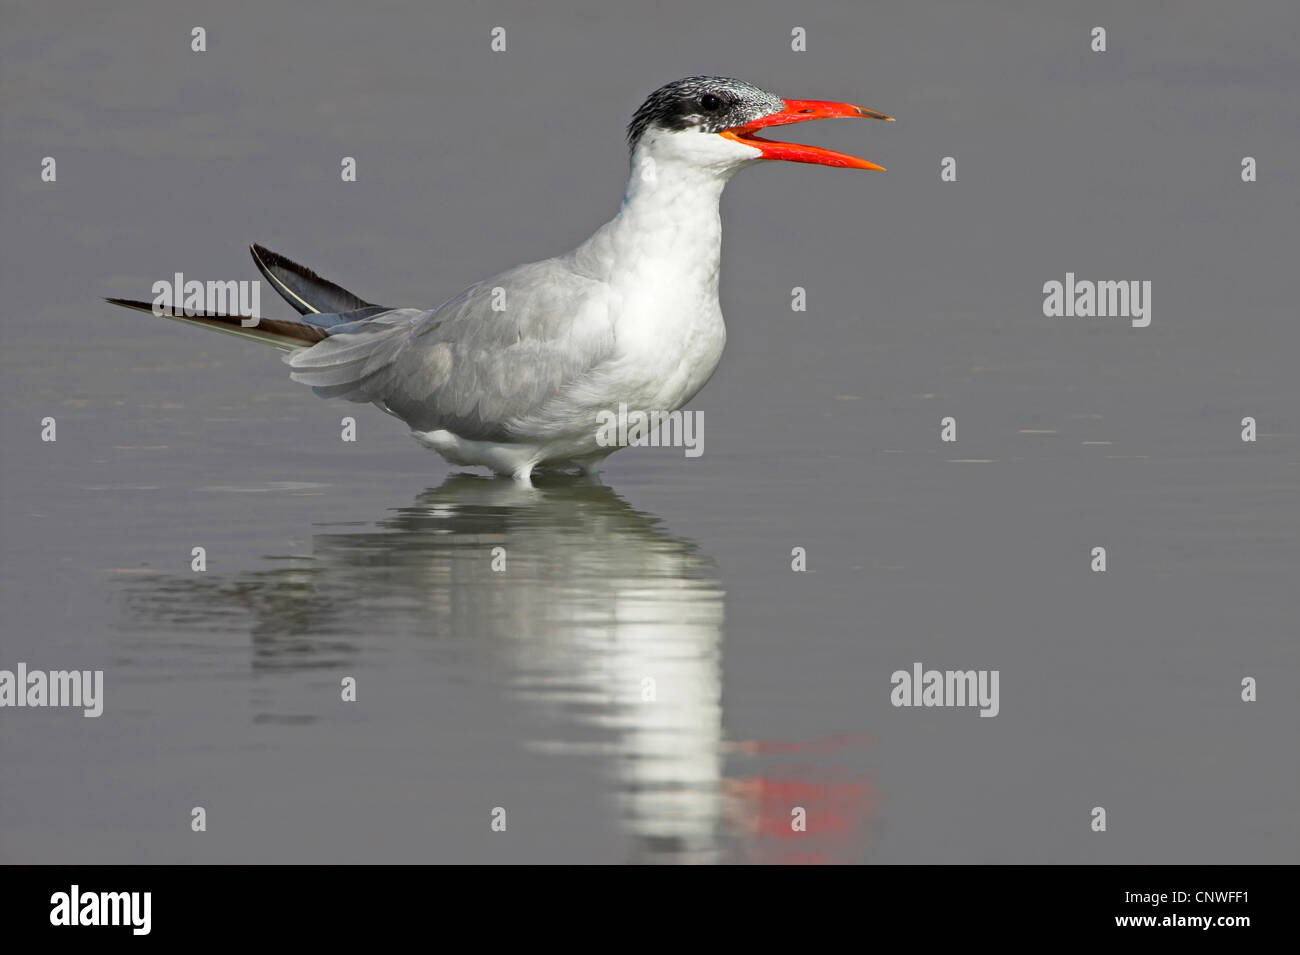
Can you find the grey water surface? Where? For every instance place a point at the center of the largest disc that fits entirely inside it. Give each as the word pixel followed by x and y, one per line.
pixel 525 688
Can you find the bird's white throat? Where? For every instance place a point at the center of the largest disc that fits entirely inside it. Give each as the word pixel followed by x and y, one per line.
pixel 669 224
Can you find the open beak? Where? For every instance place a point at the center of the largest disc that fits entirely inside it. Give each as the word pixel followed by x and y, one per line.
pixel 799 111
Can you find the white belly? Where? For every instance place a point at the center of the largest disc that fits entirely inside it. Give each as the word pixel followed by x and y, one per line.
pixel 661 368
pixel 652 373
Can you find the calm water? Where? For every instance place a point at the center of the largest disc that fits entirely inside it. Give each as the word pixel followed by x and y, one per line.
pixel 525 688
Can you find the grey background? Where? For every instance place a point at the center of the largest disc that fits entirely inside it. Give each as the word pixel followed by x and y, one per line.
pixel 520 690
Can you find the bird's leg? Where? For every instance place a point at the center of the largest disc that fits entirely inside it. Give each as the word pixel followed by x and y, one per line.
pixel 590 465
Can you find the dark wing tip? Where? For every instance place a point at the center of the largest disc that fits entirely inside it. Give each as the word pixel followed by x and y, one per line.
pixel 264 256
pixel 130 303
pixel 261 253
pixel 307 291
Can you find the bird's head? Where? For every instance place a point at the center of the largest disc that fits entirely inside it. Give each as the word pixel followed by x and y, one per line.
pixel 713 121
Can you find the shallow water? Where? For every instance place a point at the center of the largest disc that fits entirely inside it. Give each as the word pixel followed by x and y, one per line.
pixel 526 687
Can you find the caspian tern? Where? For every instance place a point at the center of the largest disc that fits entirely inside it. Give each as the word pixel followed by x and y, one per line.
pixel 515 371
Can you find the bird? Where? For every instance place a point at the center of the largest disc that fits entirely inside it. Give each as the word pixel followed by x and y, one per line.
pixel 515 372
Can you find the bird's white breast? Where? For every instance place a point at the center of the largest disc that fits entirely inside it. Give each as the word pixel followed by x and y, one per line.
pixel 660 258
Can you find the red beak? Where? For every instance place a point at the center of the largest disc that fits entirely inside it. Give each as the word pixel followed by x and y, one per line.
pixel 799 111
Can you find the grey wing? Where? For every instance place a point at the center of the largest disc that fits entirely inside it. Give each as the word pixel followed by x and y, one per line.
pixel 512 349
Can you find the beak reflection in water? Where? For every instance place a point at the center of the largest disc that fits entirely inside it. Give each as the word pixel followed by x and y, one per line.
pixel 599 608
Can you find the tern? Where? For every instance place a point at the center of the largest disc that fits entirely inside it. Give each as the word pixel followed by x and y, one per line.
pixel 515 372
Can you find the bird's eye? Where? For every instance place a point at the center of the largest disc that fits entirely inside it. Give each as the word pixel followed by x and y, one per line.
pixel 710 102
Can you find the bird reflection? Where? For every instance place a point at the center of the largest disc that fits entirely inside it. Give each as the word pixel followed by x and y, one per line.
pixel 583 606
pixel 587 611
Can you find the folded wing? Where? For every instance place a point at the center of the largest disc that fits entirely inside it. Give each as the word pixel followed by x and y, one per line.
pixel 513 354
